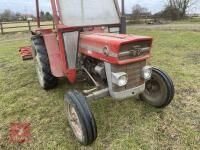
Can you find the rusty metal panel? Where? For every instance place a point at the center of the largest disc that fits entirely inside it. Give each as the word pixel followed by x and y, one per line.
pixel 88 12
pixel 54 54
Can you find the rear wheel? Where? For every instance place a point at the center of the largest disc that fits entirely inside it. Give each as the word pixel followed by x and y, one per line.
pixel 80 117
pixel 45 77
pixel 159 90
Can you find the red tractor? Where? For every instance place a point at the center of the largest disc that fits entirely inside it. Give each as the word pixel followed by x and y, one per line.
pixel 89 41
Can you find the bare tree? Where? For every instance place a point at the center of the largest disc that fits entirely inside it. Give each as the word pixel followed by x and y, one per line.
pixel 138 12
pixel 181 5
pixel 7 15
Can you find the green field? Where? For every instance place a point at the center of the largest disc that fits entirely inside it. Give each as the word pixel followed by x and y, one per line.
pixel 125 125
pixel 195 20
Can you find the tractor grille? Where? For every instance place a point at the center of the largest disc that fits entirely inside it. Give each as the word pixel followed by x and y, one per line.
pixel 134 75
pixel 132 50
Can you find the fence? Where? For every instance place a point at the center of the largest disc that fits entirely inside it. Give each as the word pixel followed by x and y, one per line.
pixel 22 26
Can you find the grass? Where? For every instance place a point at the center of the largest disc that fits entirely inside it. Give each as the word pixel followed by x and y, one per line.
pixel 170 27
pixel 195 20
pixel 125 125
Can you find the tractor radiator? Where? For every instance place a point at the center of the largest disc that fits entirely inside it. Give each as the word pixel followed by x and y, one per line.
pixel 134 75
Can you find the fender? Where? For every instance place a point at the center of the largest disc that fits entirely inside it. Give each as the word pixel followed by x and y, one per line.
pixel 53 54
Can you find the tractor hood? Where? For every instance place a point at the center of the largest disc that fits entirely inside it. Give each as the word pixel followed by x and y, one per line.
pixel 114 46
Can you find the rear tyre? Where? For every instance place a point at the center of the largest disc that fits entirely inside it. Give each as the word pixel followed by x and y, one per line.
pixel 80 117
pixel 159 90
pixel 45 77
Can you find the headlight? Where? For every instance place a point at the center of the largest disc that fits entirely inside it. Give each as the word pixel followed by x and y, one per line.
pixel 120 79
pixel 147 72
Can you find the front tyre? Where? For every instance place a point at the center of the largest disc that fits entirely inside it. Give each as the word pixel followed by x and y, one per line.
pixel 159 90
pixel 80 117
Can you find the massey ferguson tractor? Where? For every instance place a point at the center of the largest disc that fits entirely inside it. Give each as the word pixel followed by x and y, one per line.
pixel 89 42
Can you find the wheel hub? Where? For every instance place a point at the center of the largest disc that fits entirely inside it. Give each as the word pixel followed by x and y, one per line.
pixel 153 86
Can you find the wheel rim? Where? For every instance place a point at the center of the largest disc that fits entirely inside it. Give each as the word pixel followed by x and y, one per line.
pixel 75 122
pixel 155 91
pixel 153 88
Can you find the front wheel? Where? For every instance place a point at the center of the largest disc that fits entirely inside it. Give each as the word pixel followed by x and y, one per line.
pixel 159 90
pixel 80 117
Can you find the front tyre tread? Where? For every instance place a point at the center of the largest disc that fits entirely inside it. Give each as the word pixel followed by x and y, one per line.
pixel 86 118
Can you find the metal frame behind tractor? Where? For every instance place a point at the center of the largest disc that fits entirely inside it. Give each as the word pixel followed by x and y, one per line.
pixel 89 43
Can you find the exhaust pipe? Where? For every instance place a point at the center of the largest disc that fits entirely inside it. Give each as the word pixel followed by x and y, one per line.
pixel 123 19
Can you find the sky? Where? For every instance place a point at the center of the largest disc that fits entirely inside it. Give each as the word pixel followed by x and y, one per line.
pixel 28 6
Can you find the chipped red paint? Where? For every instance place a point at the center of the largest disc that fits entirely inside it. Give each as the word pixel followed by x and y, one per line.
pixel 112 42
pixel 26 52
pixel 54 54
pixel 19 133
pixel 42 31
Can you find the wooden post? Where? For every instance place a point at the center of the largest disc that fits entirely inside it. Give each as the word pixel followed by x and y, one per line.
pixel 53 25
pixel 29 25
pixel 1 26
